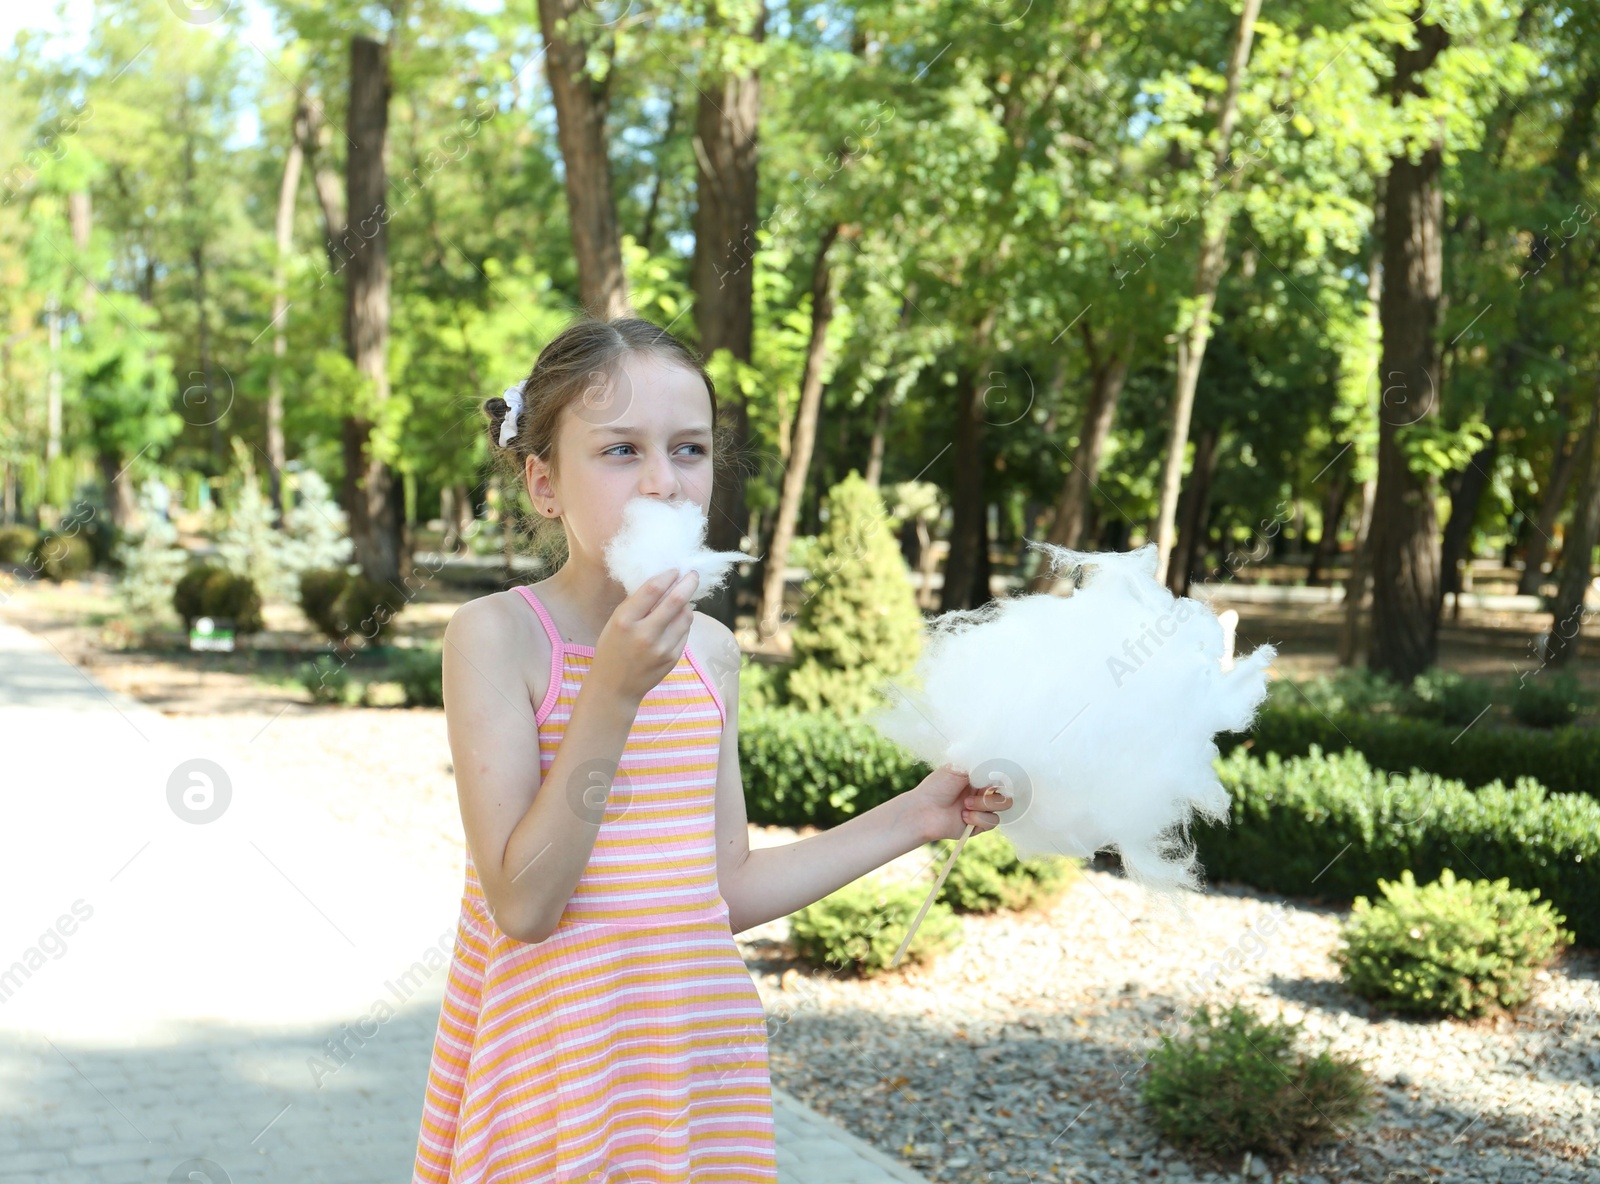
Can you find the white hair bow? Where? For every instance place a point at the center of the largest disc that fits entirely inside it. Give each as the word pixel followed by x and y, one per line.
pixel 508 426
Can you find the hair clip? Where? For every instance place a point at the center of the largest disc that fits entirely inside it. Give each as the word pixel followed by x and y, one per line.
pixel 508 426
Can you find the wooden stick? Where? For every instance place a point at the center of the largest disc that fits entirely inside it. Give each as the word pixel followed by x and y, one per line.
pixel 932 892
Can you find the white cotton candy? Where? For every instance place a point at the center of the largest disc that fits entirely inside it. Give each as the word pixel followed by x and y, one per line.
pixel 1095 711
pixel 657 536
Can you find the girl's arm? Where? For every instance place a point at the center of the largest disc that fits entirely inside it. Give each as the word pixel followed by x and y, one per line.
pixel 772 882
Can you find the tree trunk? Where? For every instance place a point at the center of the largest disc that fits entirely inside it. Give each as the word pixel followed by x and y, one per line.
pixel 1464 498
pixel 1332 512
pixel 1196 503
pixel 1555 497
pixel 1577 551
pixel 1107 376
pixel 1352 637
pixel 373 496
pixel 802 441
pixel 1405 538
pixel 967 504
pixel 293 163
pixel 880 429
pixel 1192 338
pixel 723 274
pixel 581 105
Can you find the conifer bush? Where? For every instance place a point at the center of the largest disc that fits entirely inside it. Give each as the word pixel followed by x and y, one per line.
pixel 1451 948
pixel 859 624
pixel 1236 1083
pixel 857 928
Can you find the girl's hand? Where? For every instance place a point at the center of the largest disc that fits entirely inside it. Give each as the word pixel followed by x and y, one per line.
pixel 645 636
pixel 945 802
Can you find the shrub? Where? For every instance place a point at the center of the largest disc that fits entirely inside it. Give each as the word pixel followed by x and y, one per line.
pixel 1237 1084
pixel 858 928
pixel 319 594
pixel 1548 700
pixel 420 673
pixel 16 543
pixel 1446 697
pixel 1563 760
pixel 151 561
pixel 989 875
pixel 760 685
pixel 342 604
pixel 808 769
pixel 233 597
pixel 1332 825
pixel 859 623
pixel 187 593
pixel 58 555
pixel 1453 947
pixel 327 680
pixel 208 591
pixel 1352 688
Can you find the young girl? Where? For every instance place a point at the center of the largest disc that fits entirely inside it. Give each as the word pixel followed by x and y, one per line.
pixel 598 1022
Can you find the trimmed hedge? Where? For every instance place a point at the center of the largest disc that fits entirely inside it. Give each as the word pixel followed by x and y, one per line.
pixel 1563 760
pixel 1332 826
pixel 808 769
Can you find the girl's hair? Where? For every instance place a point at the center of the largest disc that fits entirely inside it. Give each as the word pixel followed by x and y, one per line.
pixel 577 370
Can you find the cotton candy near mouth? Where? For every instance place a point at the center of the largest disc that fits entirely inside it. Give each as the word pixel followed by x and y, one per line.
pixel 1095 711
pixel 657 536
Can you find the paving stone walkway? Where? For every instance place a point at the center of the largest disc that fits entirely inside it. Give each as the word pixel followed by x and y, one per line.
pixel 203 977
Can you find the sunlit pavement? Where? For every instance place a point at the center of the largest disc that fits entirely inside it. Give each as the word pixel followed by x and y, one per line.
pixel 203 973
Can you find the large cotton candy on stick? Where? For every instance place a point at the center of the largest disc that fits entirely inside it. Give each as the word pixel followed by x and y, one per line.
pixel 657 536
pixel 1096 711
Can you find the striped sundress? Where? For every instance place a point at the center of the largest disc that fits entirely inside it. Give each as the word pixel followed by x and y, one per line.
pixel 630 1045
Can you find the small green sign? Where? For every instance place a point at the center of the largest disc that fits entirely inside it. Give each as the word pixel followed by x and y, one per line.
pixel 211 633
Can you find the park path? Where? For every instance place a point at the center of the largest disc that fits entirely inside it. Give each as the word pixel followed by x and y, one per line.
pixel 182 940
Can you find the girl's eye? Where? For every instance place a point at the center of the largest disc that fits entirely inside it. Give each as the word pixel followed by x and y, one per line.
pixel 699 448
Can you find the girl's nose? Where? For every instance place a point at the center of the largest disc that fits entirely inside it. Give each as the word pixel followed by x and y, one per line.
pixel 658 478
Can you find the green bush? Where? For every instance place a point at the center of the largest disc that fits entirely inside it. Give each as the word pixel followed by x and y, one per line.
pixel 858 928
pixel 1548 700
pixel 327 680
pixel 16 543
pixel 58 555
pixel 989 875
pixel 805 768
pixel 420 673
pixel 1447 698
pixel 319 594
pixel 859 623
pixel 1453 947
pixel 1563 760
pixel 1236 1084
pixel 231 596
pixel 1350 688
pixel 760 685
pixel 188 593
pixel 343 605
pixel 1333 826
pixel 208 591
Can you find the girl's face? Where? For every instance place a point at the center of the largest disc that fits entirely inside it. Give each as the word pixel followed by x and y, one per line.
pixel 646 433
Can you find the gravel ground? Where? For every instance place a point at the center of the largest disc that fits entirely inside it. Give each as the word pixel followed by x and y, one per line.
pixel 1017 1056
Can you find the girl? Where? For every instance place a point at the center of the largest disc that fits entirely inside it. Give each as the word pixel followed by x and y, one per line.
pixel 598 1022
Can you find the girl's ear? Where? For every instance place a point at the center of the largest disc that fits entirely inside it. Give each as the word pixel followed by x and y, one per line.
pixel 536 479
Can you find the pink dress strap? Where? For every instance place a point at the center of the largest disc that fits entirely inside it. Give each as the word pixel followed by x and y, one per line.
pixel 553 691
